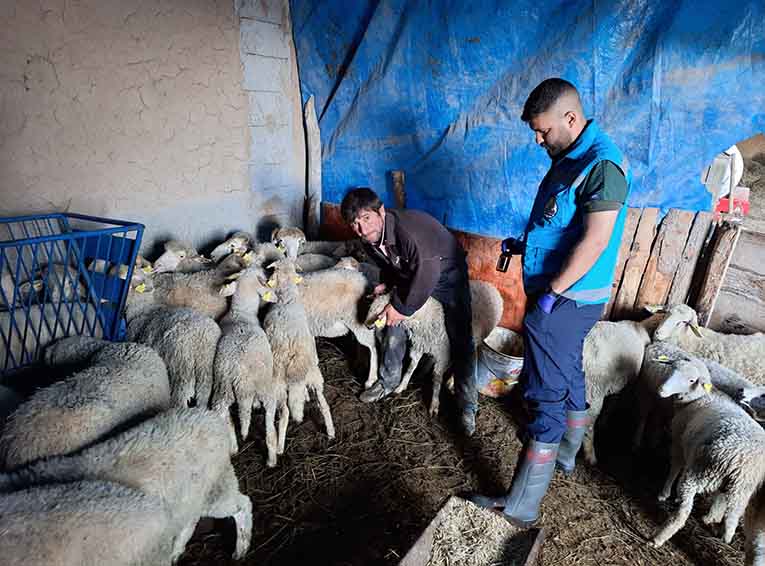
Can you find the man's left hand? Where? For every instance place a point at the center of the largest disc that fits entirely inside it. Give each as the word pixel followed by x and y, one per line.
pixel 392 315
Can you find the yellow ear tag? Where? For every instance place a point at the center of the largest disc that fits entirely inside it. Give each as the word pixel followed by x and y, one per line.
pixel 267 296
pixel 298 279
pixel 379 323
pixel 146 269
pixel 271 283
pixel 708 387
pixel 281 248
pixel 662 358
pixel 249 258
pixel 140 288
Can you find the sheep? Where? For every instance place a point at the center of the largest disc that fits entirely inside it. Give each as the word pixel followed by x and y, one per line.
pixel 243 367
pixel 612 355
pixel 427 333
pixel 292 242
pixel 179 457
pixel 296 361
pixel 123 382
pixel 314 262
pixel 656 368
pixel 369 270
pixel 181 257
pixel 744 354
pixel 198 291
pixel 84 523
pixel 716 448
pixel 239 243
pixel 334 304
pixel 186 340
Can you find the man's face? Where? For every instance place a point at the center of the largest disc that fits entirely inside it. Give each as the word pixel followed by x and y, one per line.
pixel 368 224
pixel 553 131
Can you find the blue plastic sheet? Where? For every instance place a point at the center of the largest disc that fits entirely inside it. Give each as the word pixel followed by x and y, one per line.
pixel 436 89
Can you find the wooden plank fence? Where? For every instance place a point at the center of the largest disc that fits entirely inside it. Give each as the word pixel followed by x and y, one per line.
pixel 681 259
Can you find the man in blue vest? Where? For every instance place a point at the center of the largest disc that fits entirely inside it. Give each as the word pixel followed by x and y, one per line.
pixel 569 249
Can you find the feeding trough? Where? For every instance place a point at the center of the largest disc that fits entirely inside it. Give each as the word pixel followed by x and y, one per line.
pixel 465 534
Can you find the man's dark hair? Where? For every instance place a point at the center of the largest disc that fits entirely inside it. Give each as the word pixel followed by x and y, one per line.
pixel 544 96
pixel 357 200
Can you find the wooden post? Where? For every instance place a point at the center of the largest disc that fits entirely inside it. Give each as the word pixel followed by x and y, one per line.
pixel 398 188
pixel 312 205
pixel 681 284
pixel 726 236
pixel 633 271
pixel 666 254
pixel 630 225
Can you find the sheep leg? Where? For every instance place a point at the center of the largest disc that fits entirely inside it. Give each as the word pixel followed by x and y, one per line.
pixel 755 536
pixel 588 443
pixel 316 383
pixel 244 405
pixel 438 378
pixel 674 471
pixel 284 417
pixel 226 500
pixel 737 501
pixel 414 359
pixel 271 439
pixel 686 491
pixel 367 338
pixel 179 543
pixel 296 397
pixel 203 389
pixel 717 510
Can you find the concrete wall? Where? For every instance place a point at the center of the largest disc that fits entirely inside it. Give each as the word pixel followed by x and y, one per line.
pixel 138 110
pixel 277 150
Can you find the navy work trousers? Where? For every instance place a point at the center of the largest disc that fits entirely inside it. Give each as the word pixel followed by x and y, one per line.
pixel 552 377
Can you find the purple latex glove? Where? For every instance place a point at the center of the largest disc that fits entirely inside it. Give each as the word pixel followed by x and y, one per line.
pixel 547 301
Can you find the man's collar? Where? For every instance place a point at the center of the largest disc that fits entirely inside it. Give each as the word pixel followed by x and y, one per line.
pixel 388 236
pixel 582 142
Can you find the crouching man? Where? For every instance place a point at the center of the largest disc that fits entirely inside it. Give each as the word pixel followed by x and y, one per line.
pixel 418 258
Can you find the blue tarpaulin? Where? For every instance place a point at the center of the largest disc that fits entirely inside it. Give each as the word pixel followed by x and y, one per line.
pixel 436 89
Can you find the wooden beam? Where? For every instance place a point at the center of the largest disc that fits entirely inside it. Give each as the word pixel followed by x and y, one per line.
pixel 666 254
pixel 630 225
pixel 726 237
pixel 681 284
pixel 633 271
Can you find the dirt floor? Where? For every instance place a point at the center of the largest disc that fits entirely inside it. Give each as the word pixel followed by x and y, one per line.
pixel 363 498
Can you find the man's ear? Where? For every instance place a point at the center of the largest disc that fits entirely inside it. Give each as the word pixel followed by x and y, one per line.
pixel 570 118
pixel 382 210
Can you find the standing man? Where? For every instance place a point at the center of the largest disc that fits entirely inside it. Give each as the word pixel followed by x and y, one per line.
pixel 569 252
pixel 419 258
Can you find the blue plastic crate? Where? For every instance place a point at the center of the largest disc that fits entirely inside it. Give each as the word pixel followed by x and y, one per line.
pixel 62 275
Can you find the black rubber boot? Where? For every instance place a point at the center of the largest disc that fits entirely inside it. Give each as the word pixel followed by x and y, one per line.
pixel 576 426
pixel 530 483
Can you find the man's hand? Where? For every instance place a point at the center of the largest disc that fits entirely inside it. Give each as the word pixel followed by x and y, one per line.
pixel 392 315
pixel 379 289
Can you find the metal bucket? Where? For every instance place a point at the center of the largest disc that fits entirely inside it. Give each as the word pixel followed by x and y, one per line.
pixel 498 362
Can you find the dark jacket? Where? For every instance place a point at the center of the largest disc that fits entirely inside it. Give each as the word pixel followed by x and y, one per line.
pixel 420 250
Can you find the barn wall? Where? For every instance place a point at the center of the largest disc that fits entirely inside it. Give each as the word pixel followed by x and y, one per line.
pixel 140 111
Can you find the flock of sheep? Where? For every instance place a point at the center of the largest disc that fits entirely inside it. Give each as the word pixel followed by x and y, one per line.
pixel 139 437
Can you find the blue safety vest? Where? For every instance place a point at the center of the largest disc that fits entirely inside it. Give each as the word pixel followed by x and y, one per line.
pixel 556 223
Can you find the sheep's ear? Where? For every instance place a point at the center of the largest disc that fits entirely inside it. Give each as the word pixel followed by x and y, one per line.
pixel 234 276
pixel 695 328
pixel 228 289
pixel 297 279
pixel 274 232
pixel 249 258
pixel 654 309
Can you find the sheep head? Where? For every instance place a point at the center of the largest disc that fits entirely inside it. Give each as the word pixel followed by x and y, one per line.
pixel 680 320
pixel 688 380
pixel 288 240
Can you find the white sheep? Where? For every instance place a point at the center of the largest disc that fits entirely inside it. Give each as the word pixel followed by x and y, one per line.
pixel 612 355
pixel 179 457
pixel 243 366
pixel 744 354
pixel 122 382
pixel 199 291
pixel 426 332
pixel 186 340
pixel 314 262
pixel 716 448
pixel 296 361
pixel 334 302
pixel 293 243
pixel 239 243
pixel 181 257
pixel 85 522
pixel 656 367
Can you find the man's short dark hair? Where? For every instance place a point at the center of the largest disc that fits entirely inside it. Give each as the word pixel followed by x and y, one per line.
pixel 357 200
pixel 544 97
